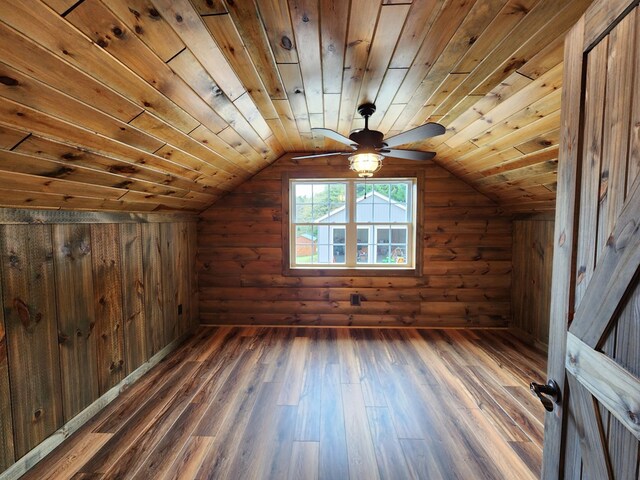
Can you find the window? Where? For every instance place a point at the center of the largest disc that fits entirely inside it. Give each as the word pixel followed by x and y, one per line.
pixel 352 223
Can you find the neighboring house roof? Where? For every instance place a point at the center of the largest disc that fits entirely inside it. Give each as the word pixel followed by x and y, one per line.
pixel 308 236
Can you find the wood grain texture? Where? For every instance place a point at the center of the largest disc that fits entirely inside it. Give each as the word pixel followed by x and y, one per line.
pixel 246 81
pixel 466 256
pixel 226 371
pixel 168 254
pixel 531 283
pixel 109 321
pixel 133 312
pixel 74 321
pixel 7 449
pixel 76 317
pixel 601 345
pixel 153 288
pixel 564 233
pixel 29 300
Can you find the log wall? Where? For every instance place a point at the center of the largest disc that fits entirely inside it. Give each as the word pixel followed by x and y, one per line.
pixel 466 256
pixel 79 314
pixel 531 284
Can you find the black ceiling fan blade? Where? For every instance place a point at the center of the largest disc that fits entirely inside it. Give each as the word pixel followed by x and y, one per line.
pixel 417 134
pixel 333 135
pixel 408 154
pixel 316 155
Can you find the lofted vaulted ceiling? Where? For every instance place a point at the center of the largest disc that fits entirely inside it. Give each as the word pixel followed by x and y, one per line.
pixel 148 105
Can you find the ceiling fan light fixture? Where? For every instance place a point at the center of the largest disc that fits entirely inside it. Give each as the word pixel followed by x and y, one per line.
pixel 365 164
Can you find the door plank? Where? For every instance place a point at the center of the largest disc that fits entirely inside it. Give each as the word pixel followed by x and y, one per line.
pixel 615 387
pixel 595 460
pixel 589 195
pixel 614 271
pixel 563 263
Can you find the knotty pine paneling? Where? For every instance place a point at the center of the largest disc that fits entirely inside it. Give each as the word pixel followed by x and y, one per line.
pixel 7 453
pixel 209 92
pixel 75 320
pixel 531 277
pixel 32 333
pixel 466 256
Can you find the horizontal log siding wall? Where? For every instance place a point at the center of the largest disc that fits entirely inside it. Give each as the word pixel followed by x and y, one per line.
pixel 466 259
pixel 531 291
pixel 80 312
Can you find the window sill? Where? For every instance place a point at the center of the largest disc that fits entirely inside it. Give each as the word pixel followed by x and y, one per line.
pixel 349 272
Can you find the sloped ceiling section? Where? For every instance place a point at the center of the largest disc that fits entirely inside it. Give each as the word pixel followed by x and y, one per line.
pixel 150 105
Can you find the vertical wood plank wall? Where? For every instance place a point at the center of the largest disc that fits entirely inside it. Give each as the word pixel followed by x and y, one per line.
pixel 531 278
pixel 466 255
pixel 83 306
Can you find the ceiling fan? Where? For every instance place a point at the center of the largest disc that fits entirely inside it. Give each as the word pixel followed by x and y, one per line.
pixel 370 147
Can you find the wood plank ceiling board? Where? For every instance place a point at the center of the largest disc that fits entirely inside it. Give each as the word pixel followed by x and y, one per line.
pixel 147 105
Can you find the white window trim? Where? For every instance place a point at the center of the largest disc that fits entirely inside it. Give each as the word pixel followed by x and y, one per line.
pixel 351 228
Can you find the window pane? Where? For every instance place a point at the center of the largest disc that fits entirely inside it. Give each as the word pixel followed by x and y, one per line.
pixel 381 212
pixel 383 235
pixel 325 255
pixel 363 235
pixel 339 235
pixel 336 215
pixel 399 193
pixel 363 253
pixel 398 254
pixel 338 254
pixel 399 235
pixel 364 211
pixel 320 202
pixel 306 244
pixel 382 254
pixel 304 213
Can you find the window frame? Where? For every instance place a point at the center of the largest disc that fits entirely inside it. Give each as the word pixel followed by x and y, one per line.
pixel 360 269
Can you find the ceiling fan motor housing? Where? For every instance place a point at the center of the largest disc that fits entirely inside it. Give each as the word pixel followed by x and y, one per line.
pixel 368 138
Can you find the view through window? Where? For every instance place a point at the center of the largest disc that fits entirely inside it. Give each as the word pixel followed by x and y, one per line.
pixel 352 223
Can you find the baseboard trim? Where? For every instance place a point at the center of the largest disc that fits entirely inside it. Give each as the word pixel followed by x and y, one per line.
pixel 28 461
pixel 355 327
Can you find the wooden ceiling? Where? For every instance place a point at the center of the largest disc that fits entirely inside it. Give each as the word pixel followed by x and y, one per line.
pixel 150 105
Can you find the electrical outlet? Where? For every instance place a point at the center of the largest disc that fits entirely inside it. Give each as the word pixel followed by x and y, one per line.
pixel 355 299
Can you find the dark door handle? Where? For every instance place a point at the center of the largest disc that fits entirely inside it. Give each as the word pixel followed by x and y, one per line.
pixel 548 394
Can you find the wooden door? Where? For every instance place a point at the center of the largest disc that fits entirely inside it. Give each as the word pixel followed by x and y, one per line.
pixel 594 344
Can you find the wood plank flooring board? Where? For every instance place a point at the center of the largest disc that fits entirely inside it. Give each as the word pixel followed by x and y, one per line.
pixel 360 450
pixel 294 374
pixel 371 371
pixel 189 459
pixel 333 461
pixel 125 437
pixel 163 453
pixel 389 455
pixel 276 403
pixel 307 427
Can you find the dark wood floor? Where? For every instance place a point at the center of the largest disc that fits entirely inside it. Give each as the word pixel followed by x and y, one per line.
pixel 244 403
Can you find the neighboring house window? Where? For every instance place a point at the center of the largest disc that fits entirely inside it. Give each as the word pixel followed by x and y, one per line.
pixel 351 223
